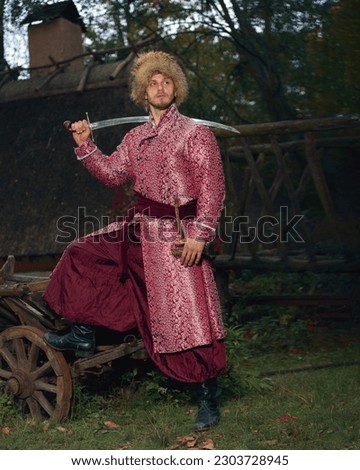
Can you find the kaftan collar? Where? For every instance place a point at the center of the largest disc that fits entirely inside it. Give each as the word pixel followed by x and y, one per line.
pixel 166 117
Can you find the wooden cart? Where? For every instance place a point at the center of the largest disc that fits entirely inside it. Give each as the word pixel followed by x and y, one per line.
pixel 39 378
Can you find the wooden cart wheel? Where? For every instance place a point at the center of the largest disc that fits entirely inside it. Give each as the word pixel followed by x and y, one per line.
pixel 37 376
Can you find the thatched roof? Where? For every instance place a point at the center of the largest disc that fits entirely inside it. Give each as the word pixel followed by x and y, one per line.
pixel 93 77
pixel 41 180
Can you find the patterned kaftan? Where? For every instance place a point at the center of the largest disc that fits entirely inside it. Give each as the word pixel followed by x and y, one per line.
pixel 175 158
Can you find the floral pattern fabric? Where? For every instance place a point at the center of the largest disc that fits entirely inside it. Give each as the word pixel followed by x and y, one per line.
pixel 176 158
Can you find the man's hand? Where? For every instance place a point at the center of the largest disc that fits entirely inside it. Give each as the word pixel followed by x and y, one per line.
pixel 81 131
pixel 192 252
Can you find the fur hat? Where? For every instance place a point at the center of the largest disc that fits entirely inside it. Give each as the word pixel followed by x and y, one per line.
pixel 148 64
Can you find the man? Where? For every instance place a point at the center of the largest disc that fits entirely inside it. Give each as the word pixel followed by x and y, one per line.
pixel 126 275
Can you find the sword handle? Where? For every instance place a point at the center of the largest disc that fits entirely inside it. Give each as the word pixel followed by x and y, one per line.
pixel 67 125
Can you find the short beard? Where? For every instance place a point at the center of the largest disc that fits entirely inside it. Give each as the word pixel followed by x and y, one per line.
pixel 163 106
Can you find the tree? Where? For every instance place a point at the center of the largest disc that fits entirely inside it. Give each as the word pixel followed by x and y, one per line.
pixel 2 49
pixel 11 14
pixel 266 37
pixel 334 49
pixel 248 60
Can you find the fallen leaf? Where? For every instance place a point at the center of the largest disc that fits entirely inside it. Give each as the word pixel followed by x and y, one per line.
pixel 188 441
pixel 61 429
pixel 111 425
pixel 350 447
pixel 271 442
pixel 46 426
pixel 5 431
pixel 219 436
pixel 187 438
pixel 208 444
pixel 124 446
pixel 191 444
pixel 286 417
pixel 31 423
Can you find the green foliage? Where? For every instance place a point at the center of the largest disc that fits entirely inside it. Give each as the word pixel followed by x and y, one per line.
pixel 160 388
pixel 307 410
pixel 273 328
pixel 8 407
pixel 238 381
pixel 334 64
pixel 272 332
pixel 83 401
pixel 282 333
pixel 247 61
pixel 250 282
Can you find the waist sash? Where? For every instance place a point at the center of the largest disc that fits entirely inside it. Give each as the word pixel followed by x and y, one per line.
pixel 157 209
pixel 153 208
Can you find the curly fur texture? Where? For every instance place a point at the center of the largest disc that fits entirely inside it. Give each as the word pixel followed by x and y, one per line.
pixel 148 64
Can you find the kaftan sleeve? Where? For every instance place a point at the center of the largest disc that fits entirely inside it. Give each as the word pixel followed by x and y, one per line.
pixel 112 170
pixel 209 180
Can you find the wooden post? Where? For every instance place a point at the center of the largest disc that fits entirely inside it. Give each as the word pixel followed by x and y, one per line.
pixel 319 180
pixel 292 194
pixel 264 194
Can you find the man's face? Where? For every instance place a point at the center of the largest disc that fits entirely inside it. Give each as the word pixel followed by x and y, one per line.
pixel 160 92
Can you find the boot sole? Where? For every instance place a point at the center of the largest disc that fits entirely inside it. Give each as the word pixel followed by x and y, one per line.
pixel 83 353
pixel 75 351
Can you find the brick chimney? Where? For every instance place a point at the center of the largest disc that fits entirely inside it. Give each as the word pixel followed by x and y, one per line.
pixel 55 34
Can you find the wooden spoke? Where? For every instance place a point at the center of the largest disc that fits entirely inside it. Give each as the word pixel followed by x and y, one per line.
pixel 33 356
pixel 20 353
pixel 8 358
pixel 41 371
pixel 33 407
pixel 36 375
pixel 4 374
pixel 40 385
pixel 43 402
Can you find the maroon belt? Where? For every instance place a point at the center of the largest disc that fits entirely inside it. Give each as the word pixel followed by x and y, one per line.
pixel 153 208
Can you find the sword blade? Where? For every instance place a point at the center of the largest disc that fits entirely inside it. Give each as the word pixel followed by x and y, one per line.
pixel 118 121
pixel 141 119
pixel 217 125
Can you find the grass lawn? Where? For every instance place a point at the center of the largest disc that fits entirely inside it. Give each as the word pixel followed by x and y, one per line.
pixel 263 405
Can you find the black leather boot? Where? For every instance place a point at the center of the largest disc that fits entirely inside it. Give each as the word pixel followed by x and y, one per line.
pixel 80 339
pixel 208 413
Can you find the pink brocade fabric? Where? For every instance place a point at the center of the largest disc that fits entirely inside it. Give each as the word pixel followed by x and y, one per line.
pixel 178 157
pixel 102 297
pixel 183 302
pixel 175 158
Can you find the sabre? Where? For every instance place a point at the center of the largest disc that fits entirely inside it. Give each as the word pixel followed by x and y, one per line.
pixel 141 119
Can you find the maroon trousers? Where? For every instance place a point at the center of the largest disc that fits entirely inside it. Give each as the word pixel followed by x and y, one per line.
pixel 88 286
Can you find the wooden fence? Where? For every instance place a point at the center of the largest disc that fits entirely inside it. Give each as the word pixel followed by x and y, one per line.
pixel 270 168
